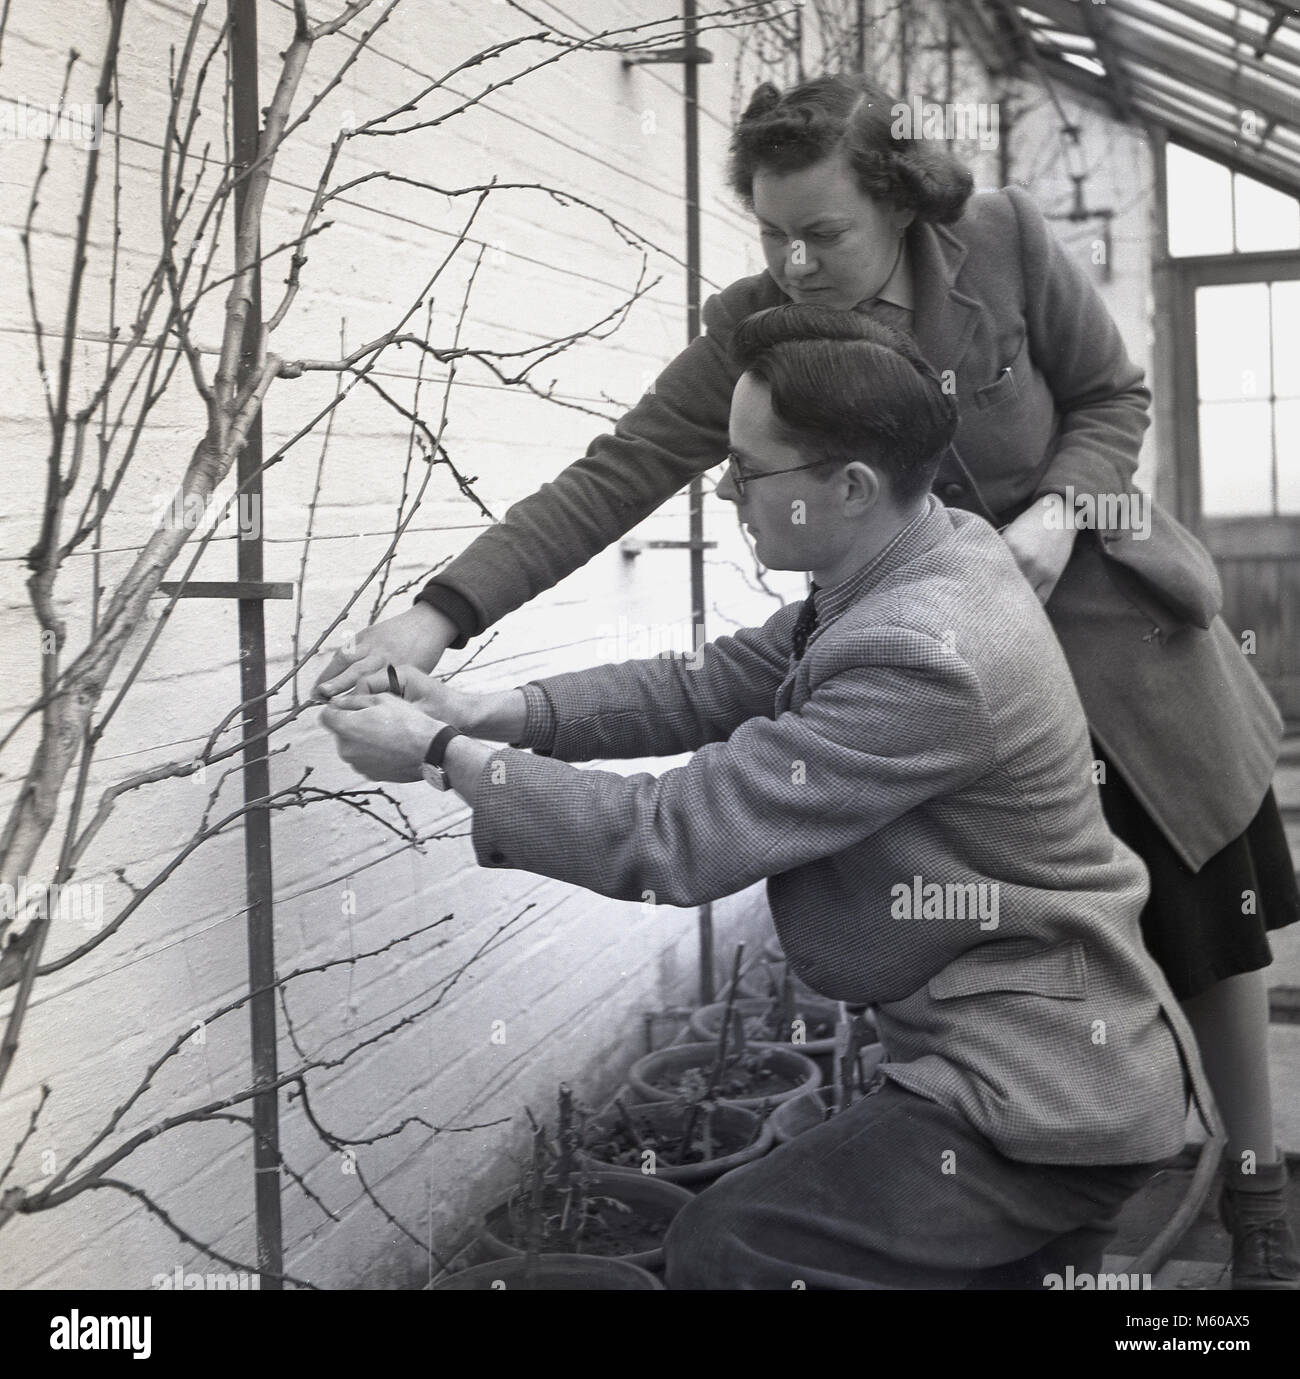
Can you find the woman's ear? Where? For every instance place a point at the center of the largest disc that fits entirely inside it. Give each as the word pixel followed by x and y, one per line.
pixel 902 217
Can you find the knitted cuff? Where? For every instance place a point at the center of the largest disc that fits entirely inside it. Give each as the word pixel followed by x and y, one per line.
pixel 539 722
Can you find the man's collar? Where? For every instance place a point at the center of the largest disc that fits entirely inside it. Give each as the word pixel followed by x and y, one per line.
pixel 916 536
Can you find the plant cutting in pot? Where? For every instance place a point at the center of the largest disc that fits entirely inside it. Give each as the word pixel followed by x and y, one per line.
pixel 756 1075
pixel 693 1139
pixel 562 1206
pixel 788 1016
pixel 856 1061
pixel 650 1139
pixel 732 1070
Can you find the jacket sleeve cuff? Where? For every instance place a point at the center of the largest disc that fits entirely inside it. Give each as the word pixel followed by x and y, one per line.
pixel 1085 472
pixel 454 606
pixel 539 721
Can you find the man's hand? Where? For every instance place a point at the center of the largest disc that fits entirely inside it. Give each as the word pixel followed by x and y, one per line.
pixel 500 715
pixel 381 736
pixel 435 698
pixel 417 637
pixel 1041 551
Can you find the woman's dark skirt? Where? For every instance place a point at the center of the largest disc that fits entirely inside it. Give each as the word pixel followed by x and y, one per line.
pixel 1199 926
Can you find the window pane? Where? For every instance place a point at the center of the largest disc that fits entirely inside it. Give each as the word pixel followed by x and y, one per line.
pixel 1265 219
pixel 1287 420
pixel 1232 345
pixel 1199 203
pixel 1286 338
pixel 1236 459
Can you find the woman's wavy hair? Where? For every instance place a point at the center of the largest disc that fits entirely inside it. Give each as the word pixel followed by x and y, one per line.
pixel 844 388
pixel 809 122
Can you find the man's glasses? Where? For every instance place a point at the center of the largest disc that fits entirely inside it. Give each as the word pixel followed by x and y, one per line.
pixel 740 478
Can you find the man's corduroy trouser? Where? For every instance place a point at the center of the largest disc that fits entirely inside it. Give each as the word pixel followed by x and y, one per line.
pixel 897 1192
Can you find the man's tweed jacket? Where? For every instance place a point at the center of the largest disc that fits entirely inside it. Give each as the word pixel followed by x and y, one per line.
pixel 1049 402
pixel 931 730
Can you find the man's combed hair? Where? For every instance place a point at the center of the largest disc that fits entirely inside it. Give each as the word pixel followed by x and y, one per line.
pixel 846 388
pixel 790 131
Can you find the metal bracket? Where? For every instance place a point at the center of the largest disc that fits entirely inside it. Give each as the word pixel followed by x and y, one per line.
pixel 226 589
pixel 695 57
pixel 632 546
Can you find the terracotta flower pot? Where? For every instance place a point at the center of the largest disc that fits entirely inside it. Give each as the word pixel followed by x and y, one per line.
pixel 652 1201
pixel 653 1077
pixel 740 1134
pixel 706 1023
pixel 801 1113
pixel 558 1273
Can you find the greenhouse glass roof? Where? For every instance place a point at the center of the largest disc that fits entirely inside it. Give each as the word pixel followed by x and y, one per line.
pixel 1220 78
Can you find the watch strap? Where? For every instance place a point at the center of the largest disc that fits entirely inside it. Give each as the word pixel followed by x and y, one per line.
pixel 438 747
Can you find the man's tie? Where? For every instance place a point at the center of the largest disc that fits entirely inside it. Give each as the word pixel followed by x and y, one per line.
pixel 805 625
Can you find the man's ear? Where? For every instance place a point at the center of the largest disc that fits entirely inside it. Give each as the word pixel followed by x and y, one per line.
pixel 866 487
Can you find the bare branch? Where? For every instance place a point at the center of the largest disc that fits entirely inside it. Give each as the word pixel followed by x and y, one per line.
pixel 54 1192
pixel 33 202
pixel 43 556
pixel 328 27
pixel 28 1133
pixel 180 1233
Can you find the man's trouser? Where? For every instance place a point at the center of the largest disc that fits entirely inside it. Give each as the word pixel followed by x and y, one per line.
pixel 897 1192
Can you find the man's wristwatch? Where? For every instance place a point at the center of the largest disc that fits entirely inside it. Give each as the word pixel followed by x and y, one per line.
pixel 433 770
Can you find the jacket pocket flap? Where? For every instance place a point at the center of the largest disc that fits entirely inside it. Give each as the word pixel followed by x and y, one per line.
pixel 1174 567
pixel 1059 972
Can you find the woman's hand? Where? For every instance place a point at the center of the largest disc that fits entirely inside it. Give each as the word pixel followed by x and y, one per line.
pixel 417 637
pixel 1041 551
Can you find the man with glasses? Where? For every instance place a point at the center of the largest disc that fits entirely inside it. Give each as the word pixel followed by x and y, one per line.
pixel 740 478
pixel 905 758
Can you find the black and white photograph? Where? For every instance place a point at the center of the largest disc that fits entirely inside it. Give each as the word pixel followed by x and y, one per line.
pixel 650 645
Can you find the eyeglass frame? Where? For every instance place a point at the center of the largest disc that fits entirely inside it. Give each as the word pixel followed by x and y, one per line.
pixel 740 478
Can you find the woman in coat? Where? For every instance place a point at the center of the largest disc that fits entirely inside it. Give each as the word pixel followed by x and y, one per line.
pixel 1052 418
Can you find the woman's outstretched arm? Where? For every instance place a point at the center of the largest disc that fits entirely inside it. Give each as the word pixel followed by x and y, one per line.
pixel 676 431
